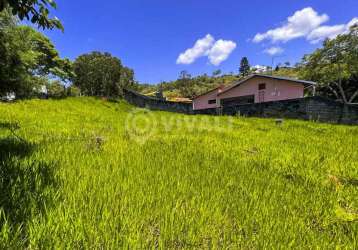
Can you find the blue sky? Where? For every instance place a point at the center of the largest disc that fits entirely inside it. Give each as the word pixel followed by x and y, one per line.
pixel 149 36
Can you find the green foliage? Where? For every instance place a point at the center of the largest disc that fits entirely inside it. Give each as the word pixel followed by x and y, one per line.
pixel 73 91
pixel 56 90
pixel 81 181
pixel 25 56
pixel 12 72
pixel 216 73
pixel 36 11
pixel 186 85
pixel 101 74
pixel 335 67
pixel 38 53
pixel 63 69
pixel 244 67
pixel 285 71
pixel 145 88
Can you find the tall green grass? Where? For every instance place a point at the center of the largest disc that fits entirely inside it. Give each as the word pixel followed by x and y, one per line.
pixel 79 174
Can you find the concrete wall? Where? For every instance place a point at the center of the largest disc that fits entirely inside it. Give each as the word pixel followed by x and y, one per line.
pixel 309 108
pixel 276 89
pixel 152 103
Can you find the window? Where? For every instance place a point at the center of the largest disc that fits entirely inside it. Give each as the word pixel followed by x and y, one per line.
pixel 240 100
pixel 262 86
pixel 212 101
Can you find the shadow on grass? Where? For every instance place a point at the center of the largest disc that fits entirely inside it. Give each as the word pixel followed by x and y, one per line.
pixel 26 185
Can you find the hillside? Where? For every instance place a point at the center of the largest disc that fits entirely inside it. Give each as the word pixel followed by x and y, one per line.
pixel 89 173
pixel 197 85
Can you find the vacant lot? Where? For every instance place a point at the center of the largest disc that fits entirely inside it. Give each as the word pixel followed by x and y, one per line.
pixel 88 173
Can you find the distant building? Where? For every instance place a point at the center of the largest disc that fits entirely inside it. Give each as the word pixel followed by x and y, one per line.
pixel 258 69
pixel 256 88
pixel 181 99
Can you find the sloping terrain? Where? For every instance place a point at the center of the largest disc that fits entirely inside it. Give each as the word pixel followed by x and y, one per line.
pixel 88 173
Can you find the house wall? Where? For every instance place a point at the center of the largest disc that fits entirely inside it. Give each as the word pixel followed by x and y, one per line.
pixel 276 90
pixel 202 102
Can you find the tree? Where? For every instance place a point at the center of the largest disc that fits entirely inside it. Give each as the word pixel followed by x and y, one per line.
pixel 11 72
pixel 56 90
pixel 217 73
pixel 36 11
pixel 335 67
pixel 101 74
pixel 73 91
pixel 244 67
pixel 186 85
pixel 44 59
pixel 17 59
pixel 127 77
pixel 63 69
pixel 26 57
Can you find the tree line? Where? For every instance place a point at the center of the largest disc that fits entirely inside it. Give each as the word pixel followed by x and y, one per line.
pixel 30 65
pixel 189 86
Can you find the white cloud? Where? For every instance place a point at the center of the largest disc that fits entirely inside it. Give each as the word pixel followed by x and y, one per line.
pixel 200 49
pixel 220 51
pixel 323 32
pixel 300 24
pixel 352 22
pixel 216 51
pixel 274 51
pixel 304 23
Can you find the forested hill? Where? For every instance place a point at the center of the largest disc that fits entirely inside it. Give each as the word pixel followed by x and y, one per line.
pixel 187 86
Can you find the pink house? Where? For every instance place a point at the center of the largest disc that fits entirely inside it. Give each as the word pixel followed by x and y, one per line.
pixel 253 89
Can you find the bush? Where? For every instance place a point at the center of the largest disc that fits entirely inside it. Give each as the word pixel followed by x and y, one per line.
pixel 73 91
pixel 56 90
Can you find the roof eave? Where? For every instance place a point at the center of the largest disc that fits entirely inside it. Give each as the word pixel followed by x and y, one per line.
pixel 305 83
pixel 206 92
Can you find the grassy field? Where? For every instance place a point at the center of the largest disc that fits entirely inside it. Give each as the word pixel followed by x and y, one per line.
pixel 88 173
